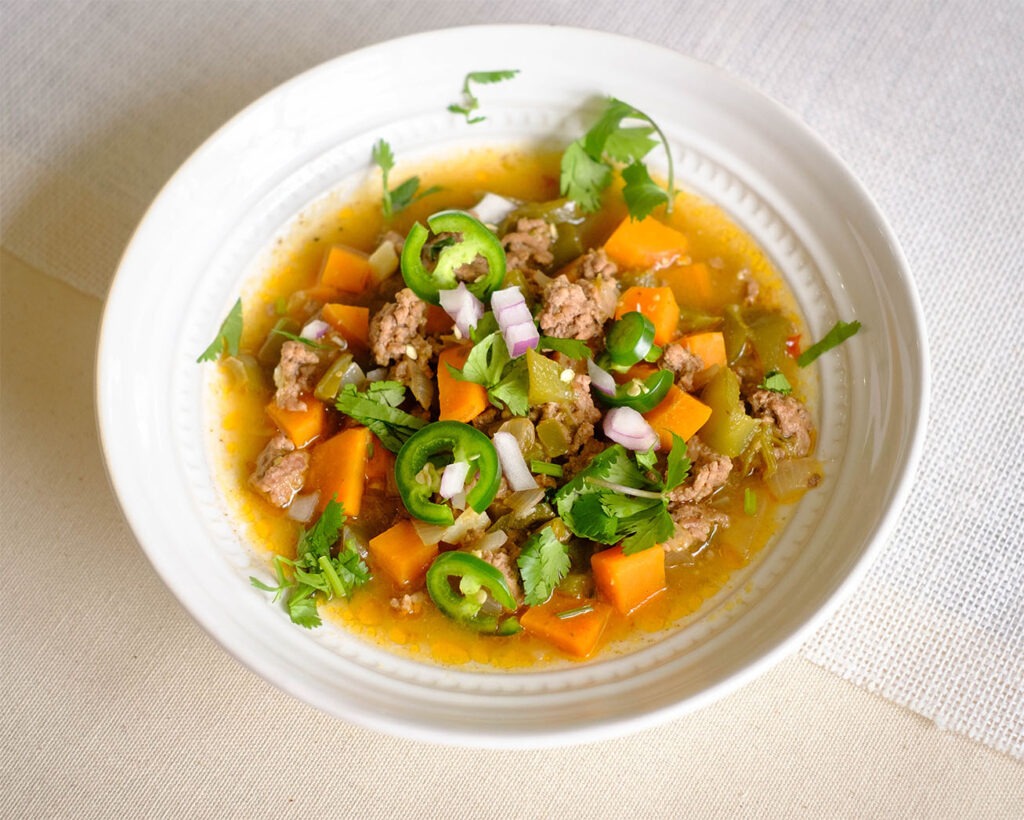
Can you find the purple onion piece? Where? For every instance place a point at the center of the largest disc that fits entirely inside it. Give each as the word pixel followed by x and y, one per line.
pixel 601 379
pixel 463 306
pixel 627 427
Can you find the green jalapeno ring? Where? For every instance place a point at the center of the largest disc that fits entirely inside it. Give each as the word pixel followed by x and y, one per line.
pixel 465 443
pixel 474 576
pixel 630 339
pixel 654 389
pixel 476 240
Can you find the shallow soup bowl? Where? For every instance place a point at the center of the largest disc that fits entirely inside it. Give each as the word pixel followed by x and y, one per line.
pixel 201 244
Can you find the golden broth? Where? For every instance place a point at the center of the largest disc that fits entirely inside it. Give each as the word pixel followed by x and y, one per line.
pixel 294 264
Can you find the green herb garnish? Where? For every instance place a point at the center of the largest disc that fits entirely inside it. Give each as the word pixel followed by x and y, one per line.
pixel 229 335
pixel 589 162
pixel 397 199
pixel 572 613
pixel 469 101
pixel 573 348
pixel 314 571
pixel 616 498
pixel 546 468
pixel 840 332
pixel 749 501
pixel 507 380
pixel 543 563
pixel 377 408
pixel 296 338
pixel 776 381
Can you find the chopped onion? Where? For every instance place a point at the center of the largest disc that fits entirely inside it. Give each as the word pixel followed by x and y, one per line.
pixel 383 262
pixel 303 507
pixel 459 501
pixel 515 320
pixel 627 427
pixel 793 477
pixel 524 502
pixel 463 306
pixel 377 375
pixel 469 522
pixel 490 542
pixel 428 533
pixel 315 330
pixel 601 378
pixel 493 209
pixel 513 465
pixel 453 479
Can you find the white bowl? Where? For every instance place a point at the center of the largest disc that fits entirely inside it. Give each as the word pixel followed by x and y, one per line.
pixel 204 235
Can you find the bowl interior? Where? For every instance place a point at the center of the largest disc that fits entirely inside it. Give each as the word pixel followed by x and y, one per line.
pixel 207 232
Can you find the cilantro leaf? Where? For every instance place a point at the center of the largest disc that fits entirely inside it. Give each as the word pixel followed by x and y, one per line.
pixel 776 381
pixel 840 332
pixel 573 348
pixel 648 531
pixel 647 460
pixel 315 571
pixel 396 199
pixel 678 466
pixel 513 387
pixel 588 162
pixel 543 563
pixel 469 101
pixel 641 193
pixel 486 361
pixel 373 408
pixel 583 177
pixel 230 334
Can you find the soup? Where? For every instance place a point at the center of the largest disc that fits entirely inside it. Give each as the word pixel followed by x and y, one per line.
pixel 493 428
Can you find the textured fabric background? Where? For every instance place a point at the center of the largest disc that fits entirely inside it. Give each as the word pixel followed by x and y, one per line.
pixel 108 684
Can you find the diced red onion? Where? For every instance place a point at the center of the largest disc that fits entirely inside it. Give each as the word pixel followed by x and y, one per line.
pixel 463 306
pixel 601 379
pixel 627 427
pixel 513 465
pixel 303 507
pixel 492 209
pixel 315 330
pixel 515 320
pixel 453 479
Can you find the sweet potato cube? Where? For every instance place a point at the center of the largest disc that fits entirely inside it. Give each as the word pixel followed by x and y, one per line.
pixel 627 581
pixel 646 244
pixel 345 269
pixel 401 554
pixel 337 468
pixel 350 321
pixel 301 426
pixel 678 413
pixel 577 632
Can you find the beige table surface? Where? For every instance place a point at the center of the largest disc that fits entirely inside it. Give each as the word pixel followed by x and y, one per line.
pixel 116 704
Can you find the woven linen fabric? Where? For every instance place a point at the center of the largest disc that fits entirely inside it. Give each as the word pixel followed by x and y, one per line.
pixel 924 100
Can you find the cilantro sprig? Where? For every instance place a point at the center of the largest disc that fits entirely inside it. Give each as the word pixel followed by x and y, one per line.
pixel 776 382
pixel 377 408
pixel 543 563
pixel 840 332
pixel 507 380
pixel 469 101
pixel 619 497
pixel 589 162
pixel 401 197
pixel 229 335
pixel 314 573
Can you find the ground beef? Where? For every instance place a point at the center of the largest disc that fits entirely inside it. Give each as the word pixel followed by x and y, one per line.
pixel 686 365
pixel 576 463
pixel 579 417
pixel 503 561
pixel 529 245
pixel 695 523
pixel 295 374
pixel 397 325
pixel 577 310
pixel 596 265
pixel 708 472
pixel 789 419
pixel 280 471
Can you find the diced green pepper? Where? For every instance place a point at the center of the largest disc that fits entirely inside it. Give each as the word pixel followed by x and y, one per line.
pixel 554 437
pixel 729 428
pixel 330 383
pixel 546 380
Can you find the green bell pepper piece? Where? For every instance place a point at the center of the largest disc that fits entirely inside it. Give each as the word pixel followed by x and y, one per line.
pixel 473 239
pixel 465 443
pixel 474 581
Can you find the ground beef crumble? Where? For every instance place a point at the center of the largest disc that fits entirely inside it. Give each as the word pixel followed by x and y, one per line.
pixel 396 326
pixel 280 471
pixel 789 419
pixel 295 374
pixel 528 246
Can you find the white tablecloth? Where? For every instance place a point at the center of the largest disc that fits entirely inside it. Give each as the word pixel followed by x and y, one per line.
pixel 925 101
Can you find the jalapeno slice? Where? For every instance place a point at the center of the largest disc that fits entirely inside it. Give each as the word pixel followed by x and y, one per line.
pixel 464 443
pixel 473 239
pixel 460 584
pixel 640 395
pixel 631 339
